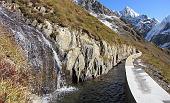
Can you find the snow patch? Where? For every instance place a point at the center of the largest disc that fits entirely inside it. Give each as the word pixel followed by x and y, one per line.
pixel 165 45
pixel 157 29
pixel 102 18
pixel 128 12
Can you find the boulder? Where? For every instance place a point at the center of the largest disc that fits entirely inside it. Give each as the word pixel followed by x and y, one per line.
pixel 42 10
pixel 34 23
pixel 47 28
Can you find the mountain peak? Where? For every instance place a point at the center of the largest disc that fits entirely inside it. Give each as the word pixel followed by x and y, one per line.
pixel 82 1
pixel 167 19
pixel 127 7
pixel 129 12
pixel 160 29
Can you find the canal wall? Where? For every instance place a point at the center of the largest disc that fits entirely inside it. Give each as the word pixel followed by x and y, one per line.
pixel 143 88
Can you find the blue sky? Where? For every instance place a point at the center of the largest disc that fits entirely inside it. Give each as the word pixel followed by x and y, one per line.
pixel 153 8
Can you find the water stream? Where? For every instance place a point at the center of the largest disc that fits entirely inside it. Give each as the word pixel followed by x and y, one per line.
pixel 40 53
pixel 109 88
pixel 42 56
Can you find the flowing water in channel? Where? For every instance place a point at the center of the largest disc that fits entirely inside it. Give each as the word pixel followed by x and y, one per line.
pixel 109 88
pixel 42 56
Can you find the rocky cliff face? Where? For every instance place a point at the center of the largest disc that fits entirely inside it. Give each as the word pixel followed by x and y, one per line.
pixel 160 34
pixel 141 23
pixel 54 51
pixel 86 57
pixel 95 7
pixel 128 12
pixel 108 17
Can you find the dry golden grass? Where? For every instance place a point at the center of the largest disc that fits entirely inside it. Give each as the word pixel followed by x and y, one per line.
pixel 12 93
pixel 68 14
pixel 156 57
pixel 9 49
pixel 12 64
pixel 153 55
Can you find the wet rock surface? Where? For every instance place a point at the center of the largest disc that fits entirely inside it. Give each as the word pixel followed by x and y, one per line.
pixel 37 49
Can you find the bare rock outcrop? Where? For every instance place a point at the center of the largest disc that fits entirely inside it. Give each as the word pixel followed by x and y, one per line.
pixel 51 49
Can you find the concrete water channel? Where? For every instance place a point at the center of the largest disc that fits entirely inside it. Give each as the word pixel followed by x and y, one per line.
pixel 109 88
pixel 125 83
pixel 143 88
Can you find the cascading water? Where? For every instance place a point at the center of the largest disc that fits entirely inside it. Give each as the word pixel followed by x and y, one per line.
pixel 40 53
pixel 60 81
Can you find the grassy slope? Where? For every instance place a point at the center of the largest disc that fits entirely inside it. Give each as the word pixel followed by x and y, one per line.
pixel 11 64
pixel 9 49
pixel 157 57
pixel 68 14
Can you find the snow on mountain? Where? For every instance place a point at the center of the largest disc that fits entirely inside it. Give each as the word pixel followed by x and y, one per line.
pixel 105 15
pixel 166 45
pixel 158 29
pixel 128 12
pixel 94 6
pixel 77 1
pixel 160 34
pixel 141 23
pixel 107 20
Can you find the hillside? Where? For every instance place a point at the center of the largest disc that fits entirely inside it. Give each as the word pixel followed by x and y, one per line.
pixel 151 51
pixel 63 43
pixel 13 69
pixel 70 16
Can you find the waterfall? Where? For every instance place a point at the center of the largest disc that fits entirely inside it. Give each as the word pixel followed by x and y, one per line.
pixel 60 81
pixel 62 88
pixel 35 46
